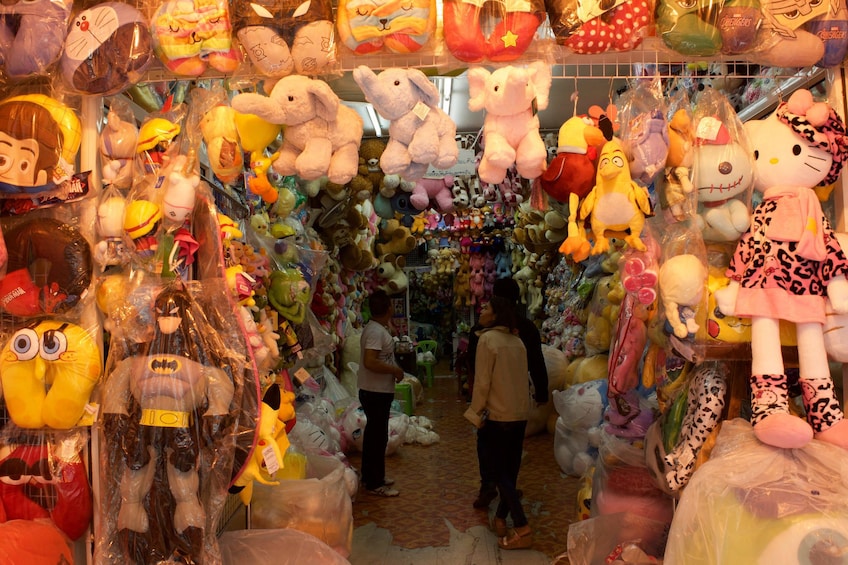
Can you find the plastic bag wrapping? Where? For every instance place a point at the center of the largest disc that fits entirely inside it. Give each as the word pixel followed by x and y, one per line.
pixel 32 36
pixel 386 26
pixel 318 505
pixel 117 144
pixel 168 409
pixel 675 191
pixel 753 503
pixel 708 27
pixel 602 539
pixel 578 427
pixel 108 49
pixel 500 31
pixel 264 546
pixel 644 130
pixel 724 170
pixel 33 542
pixel 595 27
pixel 51 127
pixel 281 37
pixel 43 477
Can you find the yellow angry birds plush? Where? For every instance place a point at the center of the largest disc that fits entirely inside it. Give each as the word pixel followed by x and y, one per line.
pixel 48 371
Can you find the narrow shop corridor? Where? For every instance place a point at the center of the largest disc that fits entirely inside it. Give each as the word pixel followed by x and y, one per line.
pixel 433 521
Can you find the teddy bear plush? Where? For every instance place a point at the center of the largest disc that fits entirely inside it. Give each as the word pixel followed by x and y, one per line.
pixel 395 238
pixel 785 267
pixel 438 191
pixel 322 135
pixel 390 274
pixel 512 97
pixel 420 132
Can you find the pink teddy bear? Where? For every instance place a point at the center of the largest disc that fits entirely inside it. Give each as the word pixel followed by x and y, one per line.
pixel 438 190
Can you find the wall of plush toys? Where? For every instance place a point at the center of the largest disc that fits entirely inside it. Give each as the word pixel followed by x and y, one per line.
pixel 227 239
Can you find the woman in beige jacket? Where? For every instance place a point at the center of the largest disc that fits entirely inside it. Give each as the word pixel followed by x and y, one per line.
pixel 502 396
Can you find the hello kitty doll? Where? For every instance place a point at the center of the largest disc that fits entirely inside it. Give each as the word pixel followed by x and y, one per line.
pixel 786 265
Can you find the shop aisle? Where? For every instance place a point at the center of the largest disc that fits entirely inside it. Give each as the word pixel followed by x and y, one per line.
pixel 433 516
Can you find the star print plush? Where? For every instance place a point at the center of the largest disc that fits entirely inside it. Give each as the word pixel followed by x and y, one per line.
pixel 513 27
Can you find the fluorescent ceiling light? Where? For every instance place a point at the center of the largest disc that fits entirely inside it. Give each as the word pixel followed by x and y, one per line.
pixel 378 131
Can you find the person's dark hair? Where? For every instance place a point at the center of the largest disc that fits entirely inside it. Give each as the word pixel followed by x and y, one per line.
pixel 507 288
pixel 504 312
pixel 378 303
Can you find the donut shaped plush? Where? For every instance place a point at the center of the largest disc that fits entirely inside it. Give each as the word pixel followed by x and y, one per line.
pixel 368 26
pixel 513 25
pixel 188 35
pixel 49 268
pixel 282 37
pixel 108 48
pixel 32 34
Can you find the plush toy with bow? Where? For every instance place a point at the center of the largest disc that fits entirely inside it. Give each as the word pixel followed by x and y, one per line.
pixel 420 132
pixel 786 265
pixel 512 97
pixel 322 135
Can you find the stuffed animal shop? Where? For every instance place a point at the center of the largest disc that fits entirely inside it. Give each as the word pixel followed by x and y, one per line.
pixel 786 264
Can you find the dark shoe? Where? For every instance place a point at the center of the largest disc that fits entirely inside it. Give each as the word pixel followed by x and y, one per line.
pixel 484 499
pixel 518 538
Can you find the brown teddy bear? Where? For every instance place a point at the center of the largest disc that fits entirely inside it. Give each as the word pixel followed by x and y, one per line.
pixel 395 238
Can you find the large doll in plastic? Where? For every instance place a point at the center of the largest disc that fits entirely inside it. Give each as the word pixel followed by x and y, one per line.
pixel 786 264
pixel 164 409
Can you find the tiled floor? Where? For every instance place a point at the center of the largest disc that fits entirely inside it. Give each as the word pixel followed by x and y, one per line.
pixel 439 482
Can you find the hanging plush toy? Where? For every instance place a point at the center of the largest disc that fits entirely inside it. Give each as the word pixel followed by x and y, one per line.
pixel 366 26
pixel 786 264
pixel 322 135
pixel 616 202
pixel 511 26
pixel 32 35
pixel 285 36
pixel 512 97
pixel 191 35
pixel 163 410
pixel 117 149
pixel 420 132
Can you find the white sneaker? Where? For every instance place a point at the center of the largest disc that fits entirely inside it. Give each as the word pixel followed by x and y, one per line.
pixel 384 490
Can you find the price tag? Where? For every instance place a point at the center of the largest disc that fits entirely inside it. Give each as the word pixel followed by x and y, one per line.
pixel 421 110
pixel 272 464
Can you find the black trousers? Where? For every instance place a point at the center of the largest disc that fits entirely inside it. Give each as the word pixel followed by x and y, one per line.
pixel 376 406
pixel 502 444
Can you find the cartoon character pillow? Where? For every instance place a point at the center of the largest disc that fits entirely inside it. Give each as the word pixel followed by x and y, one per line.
pixel 32 35
pixel 189 35
pixel 286 36
pixel 108 49
pixel 399 26
pixel 39 139
pixel 512 27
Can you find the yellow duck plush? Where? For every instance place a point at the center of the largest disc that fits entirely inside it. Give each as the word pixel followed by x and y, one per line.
pixel 616 202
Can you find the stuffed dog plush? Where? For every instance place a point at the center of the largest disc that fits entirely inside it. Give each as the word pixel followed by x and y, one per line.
pixel 420 132
pixel 322 136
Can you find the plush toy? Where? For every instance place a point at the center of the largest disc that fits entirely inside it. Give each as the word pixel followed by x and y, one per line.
pixel 619 29
pixel 286 36
pixel 289 294
pixel 699 28
pixel 117 150
pixel 677 191
pixel 370 152
pixel 646 144
pixel 366 27
pixel 220 133
pixel 437 191
pixel 33 542
pixel 512 97
pixel 322 135
pixel 47 373
pixel 45 480
pixel 786 264
pixel 191 35
pixel 571 173
pixel 43 136
pixel 578 427
pixel 420 132
pixel 108 49
pixel 723 177
pixel 395 238
pixel 783 41
pixel 511 29
pixel 616 202
pixel 32 35
pixel 391 275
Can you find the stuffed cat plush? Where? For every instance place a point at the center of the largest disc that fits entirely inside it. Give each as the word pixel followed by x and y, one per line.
pixel 786 265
